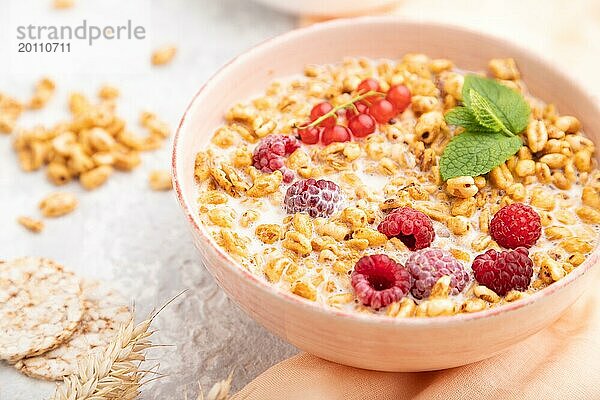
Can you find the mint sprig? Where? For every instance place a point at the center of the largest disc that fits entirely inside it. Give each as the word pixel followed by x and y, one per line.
pixel 492 116
pixel 474 154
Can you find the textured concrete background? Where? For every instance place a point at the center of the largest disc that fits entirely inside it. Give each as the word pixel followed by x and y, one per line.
pixel 138 240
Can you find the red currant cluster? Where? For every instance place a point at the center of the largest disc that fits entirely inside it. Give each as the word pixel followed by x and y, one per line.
pixel 362 114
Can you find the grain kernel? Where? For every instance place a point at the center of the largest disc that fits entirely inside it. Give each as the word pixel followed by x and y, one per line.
pixel 537 135
pixel 435 308
pixel 429 126
pixel 160 180
pixel 63 4
pixel 304 289
pixel 514 295
pixel 268 233
pixel 95 177
pixel 576 259
pixel 58 173
pixel 542 172
pixel 551 271
pixel 542 199
pixel 482 242
pixel 34 225
pixel 108 92
pixel 576 245
pixel 464 207
pixel 568 124
pixel 525 168
pixel 222 216
pixel 458 225
pixel 554 160
pixel 374 237
pixel 303 223
pixel 583 160
pixel 557 232
pixel 297 242
pixel 473 305
pixel 588 215
pixel 163 55
pixel 501 177
pixel 462 186
pixel 275 267
pixel 248 217
pixel 590 196
pixel 504 68
pixel 339 299
pixel 58 204
pixel 403 309
pixel 354 216
pixel 486 294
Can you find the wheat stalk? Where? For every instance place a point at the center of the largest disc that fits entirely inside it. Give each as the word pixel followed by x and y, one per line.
pixel 219 391
pixel 114 374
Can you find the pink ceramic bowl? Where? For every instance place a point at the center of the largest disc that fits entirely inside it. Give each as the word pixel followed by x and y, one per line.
pixel 360 340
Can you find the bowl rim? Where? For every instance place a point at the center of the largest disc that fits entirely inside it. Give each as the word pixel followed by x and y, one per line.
pixel 297 301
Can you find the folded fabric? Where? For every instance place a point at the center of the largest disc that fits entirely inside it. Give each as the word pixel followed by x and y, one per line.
pixel 561 362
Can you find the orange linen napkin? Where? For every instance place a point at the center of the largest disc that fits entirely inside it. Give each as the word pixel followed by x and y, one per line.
pixel 561 362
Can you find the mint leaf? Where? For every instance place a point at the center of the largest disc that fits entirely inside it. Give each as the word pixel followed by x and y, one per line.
pixel 504 104
pixel 474 154
pixel 484 113
pixel 462 116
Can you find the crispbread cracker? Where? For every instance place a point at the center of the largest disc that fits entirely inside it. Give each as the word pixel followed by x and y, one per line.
pixel 40 307
pixel 104 311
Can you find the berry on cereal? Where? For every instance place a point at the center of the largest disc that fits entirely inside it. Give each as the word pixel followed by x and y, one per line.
pixel 379 281
pixel 412 227
pixel 400 97
pixel 382 110
pixel 320 110
pixel 316 198
pixel 516 225
pixel 362 125
pixel 337 133
pixel 269 155
pixel 504 271
pixel 368 85
pixel 427 266
pixel 310 135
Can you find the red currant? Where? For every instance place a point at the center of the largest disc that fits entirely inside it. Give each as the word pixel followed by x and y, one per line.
pixel 367 85
pixel 321 109
pixel 310 135
pixel 337 133
pixel 382 110
pixel 362 125
pixel 361 107
pixel 400 97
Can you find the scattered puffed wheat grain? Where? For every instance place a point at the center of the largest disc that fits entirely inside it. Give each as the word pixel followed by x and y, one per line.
pixel 160 180
pixel 163 55
pixel 34 225
pixel 62 4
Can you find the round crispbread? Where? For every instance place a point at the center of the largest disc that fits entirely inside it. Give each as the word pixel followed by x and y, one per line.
pixel 104 312
pixel 40 307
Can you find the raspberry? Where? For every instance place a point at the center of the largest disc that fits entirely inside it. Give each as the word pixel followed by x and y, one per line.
pixel 412 227
pixel 379 281
pixel 516 225
pixel 504 271
pixel 269 155
pixel 429 265
pixel 317 198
